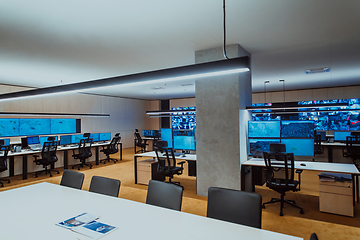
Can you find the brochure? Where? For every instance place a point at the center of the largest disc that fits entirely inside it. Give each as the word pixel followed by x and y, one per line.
pixel 87 225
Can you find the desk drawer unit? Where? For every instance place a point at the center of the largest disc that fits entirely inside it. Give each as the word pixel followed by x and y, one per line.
pixel 336 197
pixel 147 170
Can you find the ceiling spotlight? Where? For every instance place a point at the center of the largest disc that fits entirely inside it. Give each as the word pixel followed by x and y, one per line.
pixel 317 70
pixel 186 84
pixel 157 88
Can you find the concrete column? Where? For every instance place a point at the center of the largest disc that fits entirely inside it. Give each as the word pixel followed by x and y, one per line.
pixel 221 121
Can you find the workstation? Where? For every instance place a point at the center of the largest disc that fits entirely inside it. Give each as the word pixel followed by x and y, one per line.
pixel 276 51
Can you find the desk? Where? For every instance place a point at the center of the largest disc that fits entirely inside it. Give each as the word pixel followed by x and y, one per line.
pixel 188 157
pixel 135 220
pixel 24 155
pixel 314 166
pixel 330 147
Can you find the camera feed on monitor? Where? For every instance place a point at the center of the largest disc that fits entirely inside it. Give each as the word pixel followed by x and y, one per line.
pixel 300 147
pixel 258 146
pixel 297 129
pixel 265 129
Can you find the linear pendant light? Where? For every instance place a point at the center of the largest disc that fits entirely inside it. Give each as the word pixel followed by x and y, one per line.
pixel 202 70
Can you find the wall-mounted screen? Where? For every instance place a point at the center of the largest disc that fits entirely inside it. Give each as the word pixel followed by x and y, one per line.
pixel 105 137
pixel 184 143
pixel 297 129
pixel 166 135
pixel 300 147
pixel 45 139
pixel 184 120
pixel 65 139
pixel 62 126
pixel 264 129
pixel 6 141
pixel 258 146
pixel 9 127
pixel 33 140
pixel 32 126
pixel 340 136
pixel 95 137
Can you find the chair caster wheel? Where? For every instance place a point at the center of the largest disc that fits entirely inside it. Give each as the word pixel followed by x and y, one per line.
pixel 281 214
pixel 50 175
pixel 263 207
pixel 301 211
pixel 36 176
pixel 72 167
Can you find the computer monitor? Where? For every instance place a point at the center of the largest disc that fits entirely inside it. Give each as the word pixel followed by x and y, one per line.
pixel 95 137
pixel 264 129
pixel 148 133
pixel 186 143
pixel 105 137
pixel 6 141
pixel 76 138
pixel 65 139
pixel 258 146
pixel 166 135
pixel 322 135
pixel 45 139
pixel 33 140
pixel 300 147
pixel 297 129
pixel 340 136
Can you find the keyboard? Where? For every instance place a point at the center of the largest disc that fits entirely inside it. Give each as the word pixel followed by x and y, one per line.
pixel 37 146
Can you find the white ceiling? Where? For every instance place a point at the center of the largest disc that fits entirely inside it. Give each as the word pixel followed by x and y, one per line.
pixel 47 43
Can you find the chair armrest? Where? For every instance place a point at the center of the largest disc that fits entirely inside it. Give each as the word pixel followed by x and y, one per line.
pixel 181 163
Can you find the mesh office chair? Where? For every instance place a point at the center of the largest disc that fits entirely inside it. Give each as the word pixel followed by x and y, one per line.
pixel 48 157
pixel 352 148
pixel 83 153
pixel 274 162
pixel 164 195
pixel 167 162
pixel 139 142
pixel 112 148
pixel 3 160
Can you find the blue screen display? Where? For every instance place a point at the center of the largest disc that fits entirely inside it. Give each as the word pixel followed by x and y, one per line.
pixel 148 133
pixel 105 137
pixel 62 126
pixel 32 126
pixel 44 139
pixel 184 142
pixel 340 136
pixel 76 138
pixel 258 146
pixel 65 139
pixel 264 129
pixel 297 129
pixel 6 141
pixel 166 135
pixel 9 127
pixel 300 147
pixel 183 120
pixel 33 140
pixel 95 137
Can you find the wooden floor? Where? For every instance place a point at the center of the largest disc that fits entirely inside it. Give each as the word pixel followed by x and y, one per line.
pixel 327 226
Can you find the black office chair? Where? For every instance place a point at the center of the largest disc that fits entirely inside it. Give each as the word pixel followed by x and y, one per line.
pixel 352 148
pixel 106 186
pixel 112 148
pixel 167 163
pixel 275 162
pixel 3 160
pixel 314 237
pixel 234 206
pixel 83 153
pixel 139 142
pixel 164 195
pixel 318 149
pixel 48 157
pixel 72 179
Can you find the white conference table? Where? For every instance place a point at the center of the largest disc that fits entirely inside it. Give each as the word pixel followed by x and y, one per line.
pixel 32 211
pixel 190 158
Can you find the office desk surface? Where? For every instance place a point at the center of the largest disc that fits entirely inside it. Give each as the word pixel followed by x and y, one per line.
pixel 32 211
pixel 317 166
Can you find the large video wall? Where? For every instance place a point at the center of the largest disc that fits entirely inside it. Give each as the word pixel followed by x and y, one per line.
pixel 185 120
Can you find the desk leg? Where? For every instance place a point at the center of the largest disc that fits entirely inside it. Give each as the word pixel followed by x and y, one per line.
pixel 66 160
pixel 135 168
pixel 246 179
pixel 97 155
pixel 191 168
pixel 11 166
pixel 24 166
pixel 120 151
pixel 357 187
pixel 330 153
pixel 134 146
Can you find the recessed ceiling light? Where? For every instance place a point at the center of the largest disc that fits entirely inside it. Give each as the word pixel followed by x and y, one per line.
pixel 157 88
pixel 186 84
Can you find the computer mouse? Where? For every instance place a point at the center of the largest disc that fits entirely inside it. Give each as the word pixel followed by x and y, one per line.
pixel 302 164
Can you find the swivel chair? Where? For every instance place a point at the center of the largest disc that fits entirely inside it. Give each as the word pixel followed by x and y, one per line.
pixel 164 195
pixel 167 162
pixel 72 179
pixel 83 153
pixel 274 162
pixel 112 148
pixel 48 157
pixel 106 186
pixel 352 148
pixel 3 160
pixel 139 142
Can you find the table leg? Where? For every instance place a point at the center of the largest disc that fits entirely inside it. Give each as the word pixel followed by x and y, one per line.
pixel 353 189
pixel 357 187
pixel 11 166
pixel 24 166
pixel 120 151
pixel 66 160
pixel 330 153
pixel 135 168
pixel 97 155
pixel 134 146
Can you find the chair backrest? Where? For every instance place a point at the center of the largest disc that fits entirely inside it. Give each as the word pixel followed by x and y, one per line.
pixel 234 206
pixel 106 186
pixel 3 157
pixel 164 163
pixel 85 147
pixel 72 179
pixel 314 237
pixel 113 146
pixel 165 195
pixel 276 161
pixel 138 138
pixel 48 153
